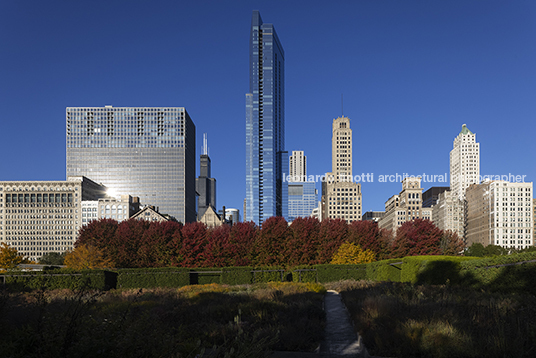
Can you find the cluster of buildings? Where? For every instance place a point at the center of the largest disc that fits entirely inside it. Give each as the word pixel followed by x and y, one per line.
pixel 498 212
pixel 490 212
pixel 140 162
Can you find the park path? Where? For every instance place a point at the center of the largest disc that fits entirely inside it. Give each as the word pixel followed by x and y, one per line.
pixel 340 339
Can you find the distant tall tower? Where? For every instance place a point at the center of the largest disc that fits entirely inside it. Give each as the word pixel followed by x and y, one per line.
pixel 341 197
pixel 266 158
pixel 298 166
pixel 464 162
pixel 204 184
pixel 341 148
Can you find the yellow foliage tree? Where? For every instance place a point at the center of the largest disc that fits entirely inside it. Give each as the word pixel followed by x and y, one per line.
pixel 87 257
pixel 9 257
pixel 349 253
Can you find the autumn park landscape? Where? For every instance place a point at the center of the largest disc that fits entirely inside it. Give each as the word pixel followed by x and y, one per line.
pixel 245 291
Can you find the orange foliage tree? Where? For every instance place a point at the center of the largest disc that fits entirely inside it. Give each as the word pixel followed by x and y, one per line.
pixel 350 253
pixel 87 257
pixel 9 257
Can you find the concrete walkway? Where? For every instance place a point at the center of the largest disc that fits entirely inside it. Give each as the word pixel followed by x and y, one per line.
pixel 340 339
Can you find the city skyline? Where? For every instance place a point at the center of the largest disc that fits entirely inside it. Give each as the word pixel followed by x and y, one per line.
pixel 411 74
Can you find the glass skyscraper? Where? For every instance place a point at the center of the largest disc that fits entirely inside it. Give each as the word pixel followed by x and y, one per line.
pixel 302 200
pixel 148 152
pixel 266 158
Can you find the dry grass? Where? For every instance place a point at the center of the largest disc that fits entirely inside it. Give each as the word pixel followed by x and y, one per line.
pixel 231 321
pixel 402 320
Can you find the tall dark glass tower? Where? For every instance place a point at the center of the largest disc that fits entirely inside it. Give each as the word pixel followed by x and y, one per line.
pixel 204 184
pixel 266 158
pixel 148 152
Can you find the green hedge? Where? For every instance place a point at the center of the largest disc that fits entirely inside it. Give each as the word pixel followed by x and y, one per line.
pixel 477 272
pixel 432 269
pixel 240 275
pixel 304 274
pixel 60 278
pixel 271 274
pixel 385 270
pixel 330 272
pixel 153 277
pixel 502 273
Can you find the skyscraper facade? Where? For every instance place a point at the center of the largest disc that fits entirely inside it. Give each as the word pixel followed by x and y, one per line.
pixel 341 197
pixel 500 213
pixel 298 167
pixel 464 162
pixel 44 216
pixel 148 152
pixel 205 185
pixel 266 158
pixel 302 199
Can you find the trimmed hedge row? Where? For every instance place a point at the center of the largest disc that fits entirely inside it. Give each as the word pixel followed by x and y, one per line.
pixel 502 273
pixel 499 273
pixel 60 278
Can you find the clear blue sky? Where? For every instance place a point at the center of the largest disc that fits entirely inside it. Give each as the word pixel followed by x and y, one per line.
pixel 411 72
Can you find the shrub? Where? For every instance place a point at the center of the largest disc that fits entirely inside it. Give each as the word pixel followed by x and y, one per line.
pixel 330 272
pixel 153 277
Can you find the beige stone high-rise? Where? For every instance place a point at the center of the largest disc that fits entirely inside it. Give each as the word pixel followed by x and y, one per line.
pixel 405 206
pixel 341 197
pixel 500 213
pixel 341 149
pixel 297 167
pixel 44 216
pixel 449 212
pixel 464 162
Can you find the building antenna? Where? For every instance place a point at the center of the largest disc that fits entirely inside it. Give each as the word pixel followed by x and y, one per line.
pixel 342 105
pixel 205 144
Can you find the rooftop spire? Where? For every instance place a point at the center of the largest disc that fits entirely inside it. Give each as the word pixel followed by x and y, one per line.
pixel 205 144
pixel 465 130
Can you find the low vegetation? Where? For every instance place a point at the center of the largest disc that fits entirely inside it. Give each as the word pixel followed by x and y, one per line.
pixel 406 320
pixel 228 321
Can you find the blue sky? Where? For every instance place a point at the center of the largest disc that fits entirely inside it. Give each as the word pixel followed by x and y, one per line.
pixel 411 73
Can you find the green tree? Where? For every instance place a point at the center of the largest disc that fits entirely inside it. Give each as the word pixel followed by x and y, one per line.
pixel 53 258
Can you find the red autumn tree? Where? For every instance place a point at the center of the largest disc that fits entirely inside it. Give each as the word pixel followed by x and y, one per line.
pixel 451 244
pixel 154 249
pixel 218 252
pixel 271 242
pixel 242 237
pixel 189 247
pixel 128 239
pixel 417 237
pixel 98 233
pixel 369 236
pixel 333 233
pixel 302 245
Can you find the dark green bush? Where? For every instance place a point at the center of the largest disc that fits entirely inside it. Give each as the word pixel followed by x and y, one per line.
pixel 502 273
pixel 61 278
pixel 271 274
pixel 432 269
pixel 304 274
pixel 384 270
pixel 205 275
pixel 330 272
pixel 237 275
pixel 153 277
